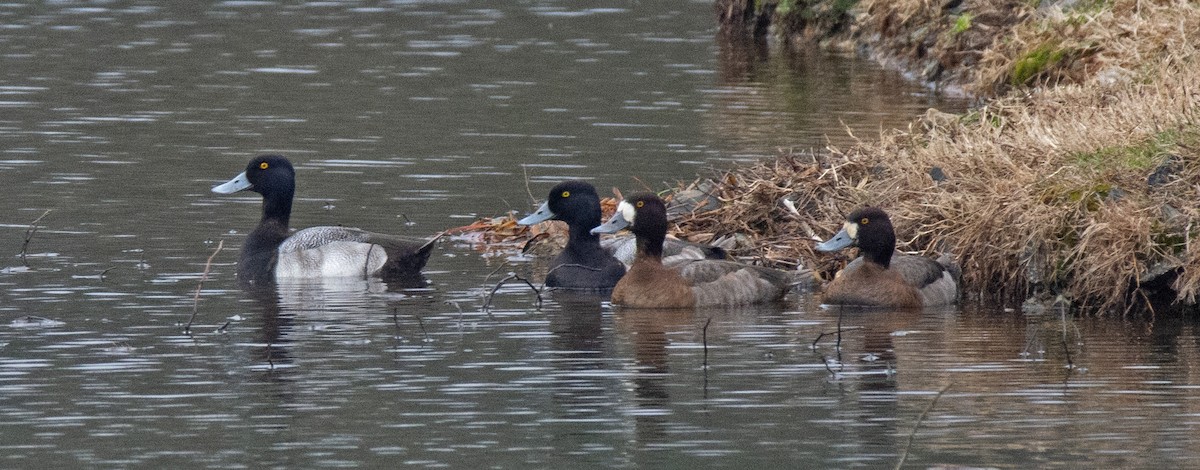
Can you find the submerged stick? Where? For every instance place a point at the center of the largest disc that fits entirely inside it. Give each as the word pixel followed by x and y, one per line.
pixel 1066 346
pixel 421 323
pixel 838 346
pixel 838 343
pixel 705 331
pixel 511 277
pixel 525 170
pixel 29 232
pixel 912 435
pixel 196 298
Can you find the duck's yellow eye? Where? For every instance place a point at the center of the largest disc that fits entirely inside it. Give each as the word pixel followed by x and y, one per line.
pixel 263 165
pixel 641 203
pixel 864 221
pixel 566 194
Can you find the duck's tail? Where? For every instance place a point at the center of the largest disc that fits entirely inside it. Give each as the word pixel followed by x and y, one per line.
pixel 406 260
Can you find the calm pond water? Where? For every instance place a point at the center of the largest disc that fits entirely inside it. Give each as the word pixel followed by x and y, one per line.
pixel 412 117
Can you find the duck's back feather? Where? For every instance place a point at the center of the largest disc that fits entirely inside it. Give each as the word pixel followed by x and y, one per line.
pixel 732 283
pixel 700 283
pixel 344 251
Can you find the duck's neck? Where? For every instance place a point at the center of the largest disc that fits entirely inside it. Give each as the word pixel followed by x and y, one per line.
pixel 277 208
pixel 650 247
pixel 582 240
pixel 881 257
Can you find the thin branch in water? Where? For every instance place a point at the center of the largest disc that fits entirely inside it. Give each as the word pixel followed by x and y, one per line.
pixel 421 323
pixel 494 271
pixel 1066 346
pixel 460 312
pixel 525 170
pixel 705 331
pixel 196 299
pixel 912 435
pixel 831 333
pixel 29 232
pixel 832 373
pixel 570 265
pixel 838 347
pixel 102 273
pixel 511 277
pixel 837 344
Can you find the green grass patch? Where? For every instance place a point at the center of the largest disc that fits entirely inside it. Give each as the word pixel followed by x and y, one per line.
pixel 1035 62
pixel 961 24
pixel 1139 156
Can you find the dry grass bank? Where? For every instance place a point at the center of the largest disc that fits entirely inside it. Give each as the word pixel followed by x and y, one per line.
pixel 1085 186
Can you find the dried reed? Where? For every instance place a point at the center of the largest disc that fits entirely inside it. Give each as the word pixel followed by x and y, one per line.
pixel 1082 190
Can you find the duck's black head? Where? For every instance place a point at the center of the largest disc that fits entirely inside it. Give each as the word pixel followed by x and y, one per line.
pixel 269 175
pixel 869 229
pixel 573 202
pixel 645 214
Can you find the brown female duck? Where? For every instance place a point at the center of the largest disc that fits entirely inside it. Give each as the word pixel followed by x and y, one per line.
pixel 882 277
pixel 691 283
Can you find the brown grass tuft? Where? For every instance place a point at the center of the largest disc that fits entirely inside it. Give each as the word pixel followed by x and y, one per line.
pixel 1078 190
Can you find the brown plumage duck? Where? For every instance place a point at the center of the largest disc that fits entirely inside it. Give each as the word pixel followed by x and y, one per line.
pixel 883 277
pixel 691 283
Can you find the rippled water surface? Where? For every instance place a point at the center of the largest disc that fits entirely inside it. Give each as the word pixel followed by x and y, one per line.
pixel 415 117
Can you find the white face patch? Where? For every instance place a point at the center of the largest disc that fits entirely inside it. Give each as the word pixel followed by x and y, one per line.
pixel 627 211
pixel 851 230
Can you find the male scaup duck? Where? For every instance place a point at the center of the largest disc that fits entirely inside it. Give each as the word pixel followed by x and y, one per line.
pixel 694 283
pixel 316 252
pixel 882 277
pixel 583 264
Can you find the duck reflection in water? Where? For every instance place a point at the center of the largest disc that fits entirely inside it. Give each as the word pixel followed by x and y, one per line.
pixel 581 350
pixel 278 307
pixel 273 330
pixel 866 363
pixel 649 332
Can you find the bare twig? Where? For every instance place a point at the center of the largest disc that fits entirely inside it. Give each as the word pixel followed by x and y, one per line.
pixel 29 232
pixel 511 277
pixel 839 331
pixel 570 265
pixel 1066 346
pixel 525 170
pixel 838 346
pixel 705 337
pixel 912 435
pixel 494 271
pixel 196 298
pixel 421 323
